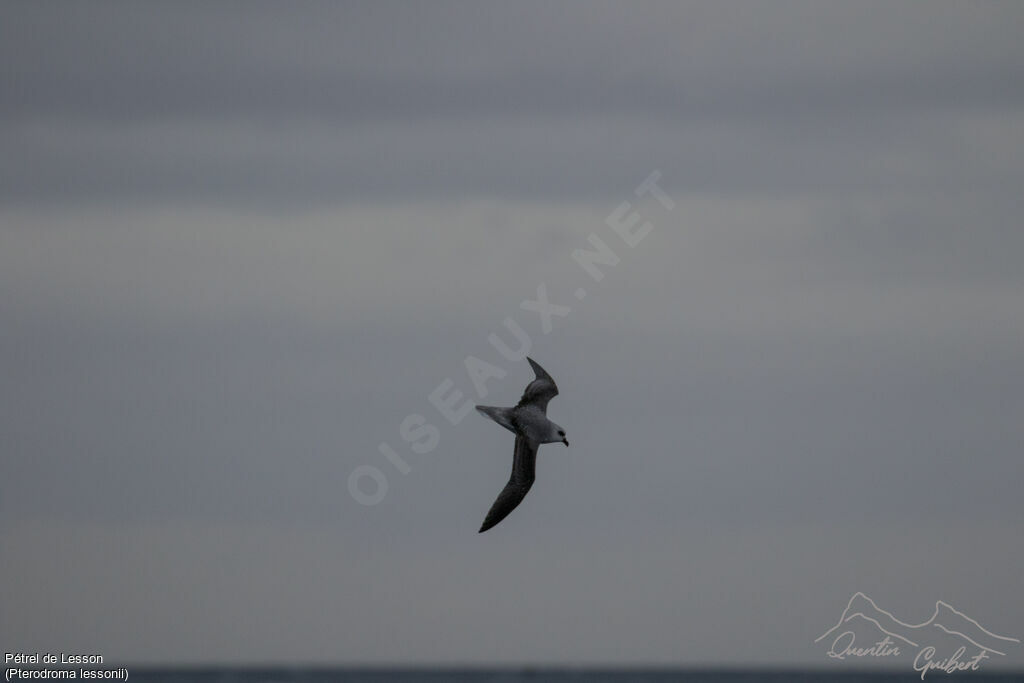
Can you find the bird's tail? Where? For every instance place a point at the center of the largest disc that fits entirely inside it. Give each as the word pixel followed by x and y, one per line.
pixel 500 415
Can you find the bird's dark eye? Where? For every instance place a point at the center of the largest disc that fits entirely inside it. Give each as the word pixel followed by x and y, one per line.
pixel 561 433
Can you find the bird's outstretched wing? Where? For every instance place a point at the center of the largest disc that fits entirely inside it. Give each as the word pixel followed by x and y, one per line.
pixel 539 391
pixel 524 467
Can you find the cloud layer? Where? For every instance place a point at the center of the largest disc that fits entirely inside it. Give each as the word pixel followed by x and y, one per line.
pixel 240 243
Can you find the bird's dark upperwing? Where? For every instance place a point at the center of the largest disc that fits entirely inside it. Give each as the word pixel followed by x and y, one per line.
pixel 524 467
pixel 541 390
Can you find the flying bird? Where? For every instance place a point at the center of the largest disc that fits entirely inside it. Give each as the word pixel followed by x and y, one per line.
pixel 528 420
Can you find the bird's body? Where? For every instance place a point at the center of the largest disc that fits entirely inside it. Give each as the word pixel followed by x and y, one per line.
pixel 528 420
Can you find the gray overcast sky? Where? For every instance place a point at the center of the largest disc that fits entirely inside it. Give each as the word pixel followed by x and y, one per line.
pixel 239 243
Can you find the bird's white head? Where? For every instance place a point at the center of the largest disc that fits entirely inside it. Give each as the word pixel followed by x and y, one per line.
pixel 557 435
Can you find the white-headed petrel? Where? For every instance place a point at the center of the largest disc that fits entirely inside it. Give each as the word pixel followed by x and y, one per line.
pixel 528 420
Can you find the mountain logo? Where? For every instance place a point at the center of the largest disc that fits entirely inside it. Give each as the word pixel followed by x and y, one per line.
pixel 947 630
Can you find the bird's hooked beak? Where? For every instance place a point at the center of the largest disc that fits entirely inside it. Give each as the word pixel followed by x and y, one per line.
pixel 565 441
